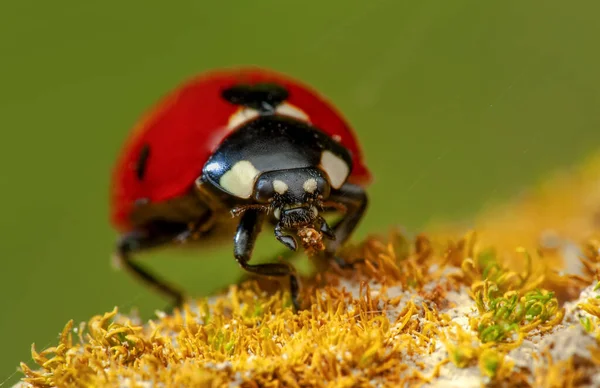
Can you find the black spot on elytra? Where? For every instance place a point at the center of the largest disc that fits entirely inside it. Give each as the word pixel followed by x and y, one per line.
pixel 264 97
pixel 142 162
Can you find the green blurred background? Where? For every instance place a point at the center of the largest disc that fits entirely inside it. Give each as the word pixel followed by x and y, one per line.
pixel 458 103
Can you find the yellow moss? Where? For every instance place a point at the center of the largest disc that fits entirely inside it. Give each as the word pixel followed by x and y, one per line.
pixel 398 319
pixel 591 321
pixel 559 374
pixel 251 336
pixel 461 349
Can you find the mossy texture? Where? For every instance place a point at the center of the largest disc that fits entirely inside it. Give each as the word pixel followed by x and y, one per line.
pixel 443 309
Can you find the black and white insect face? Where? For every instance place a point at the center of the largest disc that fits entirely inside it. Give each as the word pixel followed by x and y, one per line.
pixel 294 196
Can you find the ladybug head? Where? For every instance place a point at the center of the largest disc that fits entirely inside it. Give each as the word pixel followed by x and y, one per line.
pixel 295 197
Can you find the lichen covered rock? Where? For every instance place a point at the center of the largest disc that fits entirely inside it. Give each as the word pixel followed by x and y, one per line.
pixel 438 310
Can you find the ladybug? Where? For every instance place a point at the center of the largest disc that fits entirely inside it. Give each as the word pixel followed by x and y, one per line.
pixel 226 152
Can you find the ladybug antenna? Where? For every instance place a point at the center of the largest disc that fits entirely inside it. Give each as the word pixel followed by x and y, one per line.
pixel 239 210
pixel 334 205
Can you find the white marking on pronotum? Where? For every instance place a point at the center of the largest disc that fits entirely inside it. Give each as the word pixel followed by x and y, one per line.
pixel 242 116
pixel 335 167
pixel 310 185
pixel 239 180
pixel 287 109
pixel 280 187
pixel 277 213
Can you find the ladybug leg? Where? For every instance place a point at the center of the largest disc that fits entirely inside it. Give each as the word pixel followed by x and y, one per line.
pixel 205 223
pixel 284 255
pixel 197 228
pixel 140 240
pixel 355 199
pixel 244 240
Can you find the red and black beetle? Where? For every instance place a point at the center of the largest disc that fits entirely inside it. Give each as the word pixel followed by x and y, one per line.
pixel 249 142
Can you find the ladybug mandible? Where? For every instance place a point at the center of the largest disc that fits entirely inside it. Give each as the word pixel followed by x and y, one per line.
pixel 225 152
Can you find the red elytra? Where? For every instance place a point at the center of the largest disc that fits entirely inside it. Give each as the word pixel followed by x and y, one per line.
pixel 185 127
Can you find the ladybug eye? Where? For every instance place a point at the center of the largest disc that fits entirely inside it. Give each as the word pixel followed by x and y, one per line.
pixel 263 190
